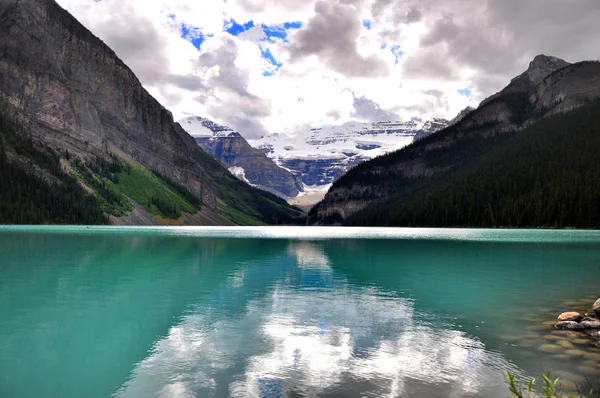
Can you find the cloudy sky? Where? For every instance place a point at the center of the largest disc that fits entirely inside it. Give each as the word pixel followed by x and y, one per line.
pixel 282 65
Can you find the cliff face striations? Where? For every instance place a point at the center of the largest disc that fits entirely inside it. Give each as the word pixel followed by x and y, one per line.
pixel 80 100
pixel 83 98
pixel 244 161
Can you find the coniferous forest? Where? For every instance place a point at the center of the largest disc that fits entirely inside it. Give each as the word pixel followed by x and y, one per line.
pixel 547 175
pixel 34 189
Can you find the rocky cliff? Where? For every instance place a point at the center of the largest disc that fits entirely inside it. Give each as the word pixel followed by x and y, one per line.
pixel 550 86
pixel 80 100
pixel 235 153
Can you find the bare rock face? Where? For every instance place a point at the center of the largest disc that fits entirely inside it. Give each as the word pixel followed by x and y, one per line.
pixel 543 65
pixel 78 96
pixel 232 150
pixel 540 67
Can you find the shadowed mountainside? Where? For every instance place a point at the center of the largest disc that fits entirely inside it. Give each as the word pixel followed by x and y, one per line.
pixel 396 189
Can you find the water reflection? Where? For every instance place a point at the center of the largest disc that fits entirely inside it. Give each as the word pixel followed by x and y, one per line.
pixel 154 314
pixel 312 333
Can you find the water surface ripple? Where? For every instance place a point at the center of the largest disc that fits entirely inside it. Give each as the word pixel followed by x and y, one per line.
pixel 285 311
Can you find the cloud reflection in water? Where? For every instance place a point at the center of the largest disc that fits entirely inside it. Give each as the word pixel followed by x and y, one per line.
pixel 312 333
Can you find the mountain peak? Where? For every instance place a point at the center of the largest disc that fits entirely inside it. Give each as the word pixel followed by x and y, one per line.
pixel 542 65
pixel 198 126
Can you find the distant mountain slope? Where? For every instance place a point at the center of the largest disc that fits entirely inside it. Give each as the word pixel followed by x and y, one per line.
pixel 244 161
pixel 80 103
pixel 398 181
pixel 321 155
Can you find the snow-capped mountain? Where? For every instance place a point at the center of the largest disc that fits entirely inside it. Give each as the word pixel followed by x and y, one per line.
pixel 320 156
pixel 430 127
pixel 200 127
pixel 245 162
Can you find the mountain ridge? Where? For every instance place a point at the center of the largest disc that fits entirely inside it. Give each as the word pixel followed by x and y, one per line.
pixel 508 111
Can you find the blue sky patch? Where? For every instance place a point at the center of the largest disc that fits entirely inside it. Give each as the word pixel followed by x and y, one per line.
pixel 292 25
pixel 235 29
pixel 383 46
pixel 275 32
pixel 465 91
pixel 193 35
pixel 398 53
pixel 367 23
pixel 266 54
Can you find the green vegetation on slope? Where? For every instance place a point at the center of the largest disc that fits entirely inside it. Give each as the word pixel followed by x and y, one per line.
pixel 117 180
pixel 543 176
pixel 34 189
pixel 243 204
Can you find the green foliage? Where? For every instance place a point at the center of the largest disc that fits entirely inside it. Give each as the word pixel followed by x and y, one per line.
pixel 182 191
pixel 45 196
pixel 167 209
pixel 543 176
pixel 115 181
pixel 550 388
pixel 100 176
pixel 243 204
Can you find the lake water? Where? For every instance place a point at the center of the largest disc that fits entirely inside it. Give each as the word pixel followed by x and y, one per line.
pixel 289 312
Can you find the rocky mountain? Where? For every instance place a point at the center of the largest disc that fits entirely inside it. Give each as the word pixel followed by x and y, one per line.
pixel 461 115
pixel 540 67
pixel 320 156
pixel 73 111
pixel 432 126
pixel 396 188
pixel 245 162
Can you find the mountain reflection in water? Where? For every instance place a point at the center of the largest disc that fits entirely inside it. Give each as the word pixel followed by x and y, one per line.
pixel 306 331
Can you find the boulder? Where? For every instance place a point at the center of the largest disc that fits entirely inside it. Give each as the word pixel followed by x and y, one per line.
pixel 590 324
pixel 568 325
pixel 596 308
pixel 570 316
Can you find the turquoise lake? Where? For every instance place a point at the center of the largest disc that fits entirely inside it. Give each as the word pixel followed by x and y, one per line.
pixel 290 311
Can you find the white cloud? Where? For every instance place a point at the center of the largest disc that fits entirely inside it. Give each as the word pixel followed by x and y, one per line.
pixel 314 77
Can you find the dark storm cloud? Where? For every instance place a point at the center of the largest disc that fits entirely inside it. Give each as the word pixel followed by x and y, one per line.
pixel 331 34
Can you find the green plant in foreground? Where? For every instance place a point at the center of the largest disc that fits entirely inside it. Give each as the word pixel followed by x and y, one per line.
pixel 549 388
